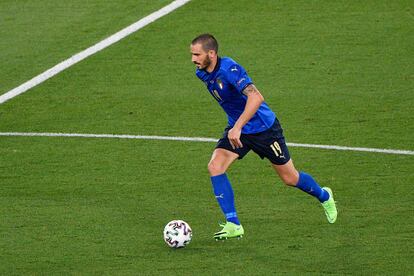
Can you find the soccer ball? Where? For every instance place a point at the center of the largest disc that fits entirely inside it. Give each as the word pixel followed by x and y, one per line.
pixel 177 233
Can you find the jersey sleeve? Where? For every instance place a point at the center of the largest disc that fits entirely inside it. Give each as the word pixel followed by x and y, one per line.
pixel 237 77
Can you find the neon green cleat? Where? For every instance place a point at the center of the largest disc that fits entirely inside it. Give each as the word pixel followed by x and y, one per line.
pixel 230 230
pixel 330 207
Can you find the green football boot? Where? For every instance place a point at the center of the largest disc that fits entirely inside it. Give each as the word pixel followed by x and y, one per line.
pixel 330 207
pixel 230 230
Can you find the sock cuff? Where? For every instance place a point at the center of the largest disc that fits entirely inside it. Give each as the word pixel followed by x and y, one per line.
pixel 231 215
pixel 302 179
pixel 220 176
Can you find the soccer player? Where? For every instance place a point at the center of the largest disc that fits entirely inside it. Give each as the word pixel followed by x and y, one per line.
pixel 252 125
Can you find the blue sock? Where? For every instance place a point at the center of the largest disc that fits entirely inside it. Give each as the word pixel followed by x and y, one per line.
pixel 307 184
pixel 225 197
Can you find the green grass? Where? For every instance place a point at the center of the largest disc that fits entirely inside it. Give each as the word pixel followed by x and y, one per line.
pixel 336 73
pixel 99 206
pixel 36 35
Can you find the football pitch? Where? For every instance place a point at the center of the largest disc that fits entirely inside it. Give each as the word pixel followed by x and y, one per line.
pixel 335 72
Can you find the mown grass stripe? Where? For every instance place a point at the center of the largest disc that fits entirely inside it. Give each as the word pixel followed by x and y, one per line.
pixel 91 50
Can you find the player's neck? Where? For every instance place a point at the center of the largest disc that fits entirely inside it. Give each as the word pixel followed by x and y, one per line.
pixel 212 65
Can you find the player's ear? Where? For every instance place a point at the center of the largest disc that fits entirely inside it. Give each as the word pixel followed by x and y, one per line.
pixel 212 53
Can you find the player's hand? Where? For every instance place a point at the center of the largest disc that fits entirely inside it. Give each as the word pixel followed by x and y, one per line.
pixel 234 138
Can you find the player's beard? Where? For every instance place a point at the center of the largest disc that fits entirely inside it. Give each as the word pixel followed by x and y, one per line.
pixel 205 63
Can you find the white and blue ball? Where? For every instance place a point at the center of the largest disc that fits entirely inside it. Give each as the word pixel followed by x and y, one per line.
pixel 177 234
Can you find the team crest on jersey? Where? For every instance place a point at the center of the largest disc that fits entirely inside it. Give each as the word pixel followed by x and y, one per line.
pixel 220 83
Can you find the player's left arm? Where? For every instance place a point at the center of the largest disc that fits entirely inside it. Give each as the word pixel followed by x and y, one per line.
pixel 254 100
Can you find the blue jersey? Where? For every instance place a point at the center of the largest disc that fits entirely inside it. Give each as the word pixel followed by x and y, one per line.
pixel 226 84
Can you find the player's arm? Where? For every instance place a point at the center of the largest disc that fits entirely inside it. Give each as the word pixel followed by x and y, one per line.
pixel 254 100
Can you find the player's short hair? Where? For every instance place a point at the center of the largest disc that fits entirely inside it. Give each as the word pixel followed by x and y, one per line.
pixel 207 41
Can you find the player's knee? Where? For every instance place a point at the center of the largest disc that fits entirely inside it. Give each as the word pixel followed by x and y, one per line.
pixel 215 168
pixel 289 179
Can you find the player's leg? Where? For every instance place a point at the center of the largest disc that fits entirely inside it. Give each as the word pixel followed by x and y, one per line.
pixel 291 177
pixel 220 161
pixel 271 144
pixel 287 173
pixel 217 167
pixel 305 182
pixel 223 156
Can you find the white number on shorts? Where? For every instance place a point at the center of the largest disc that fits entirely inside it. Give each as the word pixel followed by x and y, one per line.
pixel 276 148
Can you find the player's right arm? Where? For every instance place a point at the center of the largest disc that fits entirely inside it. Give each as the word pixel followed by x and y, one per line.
pixel 254 100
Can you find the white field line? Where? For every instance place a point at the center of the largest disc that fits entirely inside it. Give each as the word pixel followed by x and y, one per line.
pixel 92 50
pixel 197 139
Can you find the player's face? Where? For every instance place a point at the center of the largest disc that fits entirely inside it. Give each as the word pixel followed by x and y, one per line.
pixel 200 57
